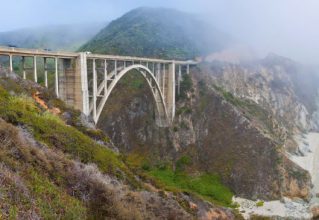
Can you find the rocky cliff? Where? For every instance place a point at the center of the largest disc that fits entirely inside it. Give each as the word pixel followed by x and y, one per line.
pixel 233 120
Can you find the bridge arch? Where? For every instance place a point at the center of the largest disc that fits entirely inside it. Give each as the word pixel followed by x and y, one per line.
pixel 162 118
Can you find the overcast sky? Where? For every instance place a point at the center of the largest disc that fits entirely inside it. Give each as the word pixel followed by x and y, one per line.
pixel 286 27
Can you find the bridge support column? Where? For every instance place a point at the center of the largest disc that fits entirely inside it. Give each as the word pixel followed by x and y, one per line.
pixel 179 79
pixel 35 71
pixel 56 77
pixel 23 68
pixel 164 80
pixel 94 90
pixel 10 63
pixel 115 67
pixel 170 98
pixel 105 76
pixel 81 70
pixel 45 72
pixel 158 74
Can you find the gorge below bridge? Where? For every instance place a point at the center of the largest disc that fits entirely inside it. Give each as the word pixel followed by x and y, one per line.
pixel 85 80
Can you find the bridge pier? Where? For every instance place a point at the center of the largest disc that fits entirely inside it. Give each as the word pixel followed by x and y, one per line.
pixel 105 75
pixel 95 90
pixel 45 72
pixel 23 67
pixel 81 70
pixel 163 79
pixel 170 98
pixel 35 72
pixel 56 74
pixel 115 67
pixel 179 79
pixel 10 63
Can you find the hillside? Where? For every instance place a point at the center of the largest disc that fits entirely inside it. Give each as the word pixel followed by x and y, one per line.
pixel 56 165
pixel 158 32
pixel 55 37
pixel 238 121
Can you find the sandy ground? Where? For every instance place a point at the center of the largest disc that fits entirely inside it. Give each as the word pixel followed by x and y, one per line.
pixel 287 208
pixel 307 158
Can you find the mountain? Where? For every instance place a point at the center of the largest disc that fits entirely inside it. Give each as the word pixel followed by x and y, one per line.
pixel 55 37
pixel 158 32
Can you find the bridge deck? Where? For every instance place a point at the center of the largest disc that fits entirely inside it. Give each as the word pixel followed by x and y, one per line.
pixel 63 54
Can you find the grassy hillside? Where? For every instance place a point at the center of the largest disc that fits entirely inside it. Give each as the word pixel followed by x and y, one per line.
pixel 55 37
pixel 157 32
pixel 54 166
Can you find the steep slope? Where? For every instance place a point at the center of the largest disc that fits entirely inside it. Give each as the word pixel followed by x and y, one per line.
pixel 55 37
pixel 55 164
pixel 158 32
pixel 285 89
pixel 214 132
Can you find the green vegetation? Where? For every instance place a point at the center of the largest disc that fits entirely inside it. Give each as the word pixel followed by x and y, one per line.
pixel 230 98
pixel 205 185
pixel 47 181
pixel 25 186
pixel 182 163
pixel 52 131
pixel 133 81
pixel 260 203
pixel 157 32
pixel 183 110
pixel 185 87
pixel 52 201
pixel 203 95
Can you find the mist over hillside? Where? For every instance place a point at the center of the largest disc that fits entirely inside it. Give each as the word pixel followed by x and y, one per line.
pixel 158 32
pixel 53 37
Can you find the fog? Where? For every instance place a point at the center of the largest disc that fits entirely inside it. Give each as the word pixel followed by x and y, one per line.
pixel 286 27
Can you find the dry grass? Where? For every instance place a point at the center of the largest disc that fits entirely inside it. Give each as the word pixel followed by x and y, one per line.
pixel 41 179
pixel 29 169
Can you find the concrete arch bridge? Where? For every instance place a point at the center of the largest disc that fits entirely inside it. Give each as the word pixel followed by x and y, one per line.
pixel 85 80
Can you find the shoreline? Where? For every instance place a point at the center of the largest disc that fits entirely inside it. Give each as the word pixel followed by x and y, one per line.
pixel 307 159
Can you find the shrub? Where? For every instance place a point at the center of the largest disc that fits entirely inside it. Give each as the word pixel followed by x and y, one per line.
pixel 260 203
pixel 146 166
pixel 182 162
pixel 186 86
pixel 183 110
